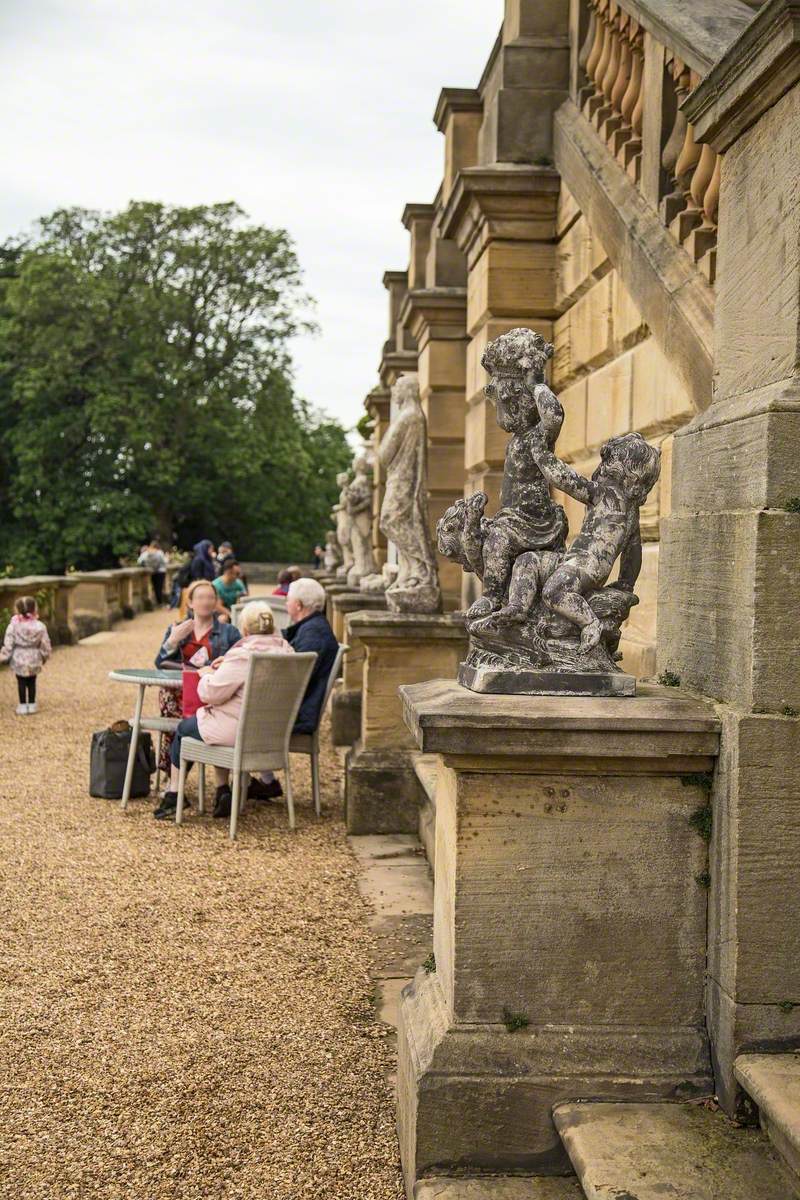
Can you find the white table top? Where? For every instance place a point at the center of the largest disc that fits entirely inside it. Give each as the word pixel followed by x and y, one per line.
pixel 147 677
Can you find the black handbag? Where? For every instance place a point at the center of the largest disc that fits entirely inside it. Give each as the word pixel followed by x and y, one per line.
pixel 109 759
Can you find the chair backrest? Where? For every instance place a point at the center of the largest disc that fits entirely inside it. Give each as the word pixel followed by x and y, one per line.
pixel 273 690
pixel 333 676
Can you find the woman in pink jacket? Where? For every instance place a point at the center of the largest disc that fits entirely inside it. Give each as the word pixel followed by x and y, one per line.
pixel 221 691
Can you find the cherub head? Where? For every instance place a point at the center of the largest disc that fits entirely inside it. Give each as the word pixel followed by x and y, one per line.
pixel 361 465
pixel 632 462
pixel 515 362
pixel 342 478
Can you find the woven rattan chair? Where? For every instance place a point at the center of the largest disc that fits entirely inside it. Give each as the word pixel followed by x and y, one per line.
pixel 308 743
pixel 273 690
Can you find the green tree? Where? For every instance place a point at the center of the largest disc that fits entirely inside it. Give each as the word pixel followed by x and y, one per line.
pixel 146 388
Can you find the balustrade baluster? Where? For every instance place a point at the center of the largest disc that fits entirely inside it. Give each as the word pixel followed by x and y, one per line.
pixel 609 76
pixel 625 133
pixel 598 99
pixel 613 124
pixel 585 81
pixel 595 55
pixel 673 201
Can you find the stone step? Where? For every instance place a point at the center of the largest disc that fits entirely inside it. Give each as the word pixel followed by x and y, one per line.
pixel 680 1151
pixel 773 1082
pixel 498 1187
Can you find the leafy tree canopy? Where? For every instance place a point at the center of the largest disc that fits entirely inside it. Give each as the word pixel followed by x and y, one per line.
pixel 146 390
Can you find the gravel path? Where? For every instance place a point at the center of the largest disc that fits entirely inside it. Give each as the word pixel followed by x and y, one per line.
pixel 180 1018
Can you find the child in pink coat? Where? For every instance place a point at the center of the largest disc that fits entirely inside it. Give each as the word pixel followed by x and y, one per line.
pixel 26 648
pixel 221 691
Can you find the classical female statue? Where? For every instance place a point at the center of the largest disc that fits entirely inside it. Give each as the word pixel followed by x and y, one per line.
pixel 343 526
pixel 358 503
pixel 404 513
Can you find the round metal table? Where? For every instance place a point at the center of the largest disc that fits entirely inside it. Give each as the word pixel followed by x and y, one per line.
pixel 144 678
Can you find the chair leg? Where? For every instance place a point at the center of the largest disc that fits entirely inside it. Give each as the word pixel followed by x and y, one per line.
pixel 201 788
pixel 158 760
pixel 235 789
pixel 181 790
pixel 243 783
pixel 289 797
pixel 315 780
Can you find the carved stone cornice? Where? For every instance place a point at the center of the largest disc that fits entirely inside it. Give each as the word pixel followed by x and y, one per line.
pixel 435 312
pixel 415 211
pixel 456 100
pixel 506 200
pixel 752 75
pixel 395 363
pixel 377 403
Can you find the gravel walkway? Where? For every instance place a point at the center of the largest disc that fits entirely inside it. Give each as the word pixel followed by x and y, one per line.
pixel 180 1018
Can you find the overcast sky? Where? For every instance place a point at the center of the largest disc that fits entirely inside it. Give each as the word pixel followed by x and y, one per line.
pixel 314 115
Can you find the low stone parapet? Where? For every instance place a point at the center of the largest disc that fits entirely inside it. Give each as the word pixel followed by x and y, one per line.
pixel 55 596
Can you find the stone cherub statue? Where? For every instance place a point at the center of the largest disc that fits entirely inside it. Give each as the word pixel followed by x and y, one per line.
pixel 343 526
pixel 546 621
pixel 404 512
pixel 358 502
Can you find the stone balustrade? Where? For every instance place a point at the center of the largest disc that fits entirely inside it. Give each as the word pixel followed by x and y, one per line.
pixel 83 602
pixel 55 596
pixel 633 74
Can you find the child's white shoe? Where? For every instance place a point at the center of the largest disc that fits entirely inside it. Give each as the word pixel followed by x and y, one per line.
pixel 32 708
pixel 22 710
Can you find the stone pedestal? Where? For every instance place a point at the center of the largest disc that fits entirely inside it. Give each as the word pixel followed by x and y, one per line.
pixel 569 920
pixel 346 699
pixel 382 793
pixel 352 601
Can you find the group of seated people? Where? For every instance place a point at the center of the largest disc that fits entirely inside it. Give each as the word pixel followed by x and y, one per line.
pixel 220 652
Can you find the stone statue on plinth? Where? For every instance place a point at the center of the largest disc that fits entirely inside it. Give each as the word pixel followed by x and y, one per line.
pixel 375 585
pixel 358 503
pixel 343 526
pixel 404 512
pixel 546 622
pixel 333 552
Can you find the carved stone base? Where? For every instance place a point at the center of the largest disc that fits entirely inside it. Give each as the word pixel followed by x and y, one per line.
pixel 345 716
pixel 425 599
pixel 510 681
pixel 382 792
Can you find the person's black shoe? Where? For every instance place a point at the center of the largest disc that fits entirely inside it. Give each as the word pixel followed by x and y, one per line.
pixel 166 809
pixel 258 790
pixel 222 802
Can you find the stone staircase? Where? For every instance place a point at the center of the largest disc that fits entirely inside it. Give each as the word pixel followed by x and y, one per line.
pixel 629 1151
pixel 772 1081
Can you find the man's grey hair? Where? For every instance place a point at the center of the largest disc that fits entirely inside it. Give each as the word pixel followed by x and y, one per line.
pixel 309 592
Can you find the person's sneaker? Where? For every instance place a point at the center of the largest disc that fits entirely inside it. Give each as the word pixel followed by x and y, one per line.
pixel 258 790
pixel 222 802
pixel 166 809
pixel 32 708
pixel 22 710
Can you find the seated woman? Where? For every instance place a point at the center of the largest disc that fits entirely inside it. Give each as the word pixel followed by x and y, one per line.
pixel 228 585
pixel 197 641
pixel 221 692
pixel 309 631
